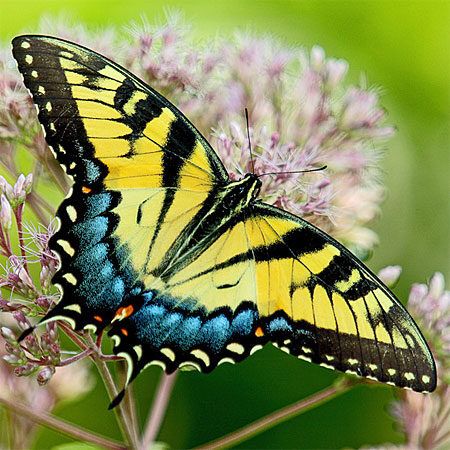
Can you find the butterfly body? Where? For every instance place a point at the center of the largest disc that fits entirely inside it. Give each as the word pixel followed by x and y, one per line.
pixel 185 267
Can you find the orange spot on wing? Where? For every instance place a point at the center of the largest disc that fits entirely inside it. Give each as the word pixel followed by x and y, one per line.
pixel 124 331
pixel 124 312
pixel 98 318
pixel 86 190
pixel 259 332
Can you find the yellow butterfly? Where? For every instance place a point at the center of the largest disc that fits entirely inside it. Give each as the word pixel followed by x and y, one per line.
pixel 185 267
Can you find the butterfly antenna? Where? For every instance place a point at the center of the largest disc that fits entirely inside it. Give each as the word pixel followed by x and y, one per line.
pixel 316 169
pixel 249 142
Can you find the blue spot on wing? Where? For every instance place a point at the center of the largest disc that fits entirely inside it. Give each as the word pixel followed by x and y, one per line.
pixel 215 333
pixel 90 232
pixel 244 322
pixel 279 324
pixel 92 171
pixel 97 204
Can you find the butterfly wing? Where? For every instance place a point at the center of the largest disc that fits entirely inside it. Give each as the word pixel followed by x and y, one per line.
pixel 140 170
pixel 321 304
pixel 271 276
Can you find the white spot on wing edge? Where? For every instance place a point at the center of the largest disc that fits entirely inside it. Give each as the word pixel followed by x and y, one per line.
pixel 189 365
pixel 116 339
pixel 69 320
pixel 255 349
pixel 70 278
pixel 28 59
pixel 25 44
pixel 130 365
pixel 156 363
pixel 65 245
pixel 200 354
pixel 72 213
pixel 169 353
pixel 74 307
pixel 138 350
pixel 327 366
pixel 90 327
pixel 226 360
pixel 235 347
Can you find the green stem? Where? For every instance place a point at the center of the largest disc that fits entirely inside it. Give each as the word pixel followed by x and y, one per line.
pixel 120 412
pixel 279 416
pixel 125 423
pixel 158 410
pixel 48 420
pixel 18 213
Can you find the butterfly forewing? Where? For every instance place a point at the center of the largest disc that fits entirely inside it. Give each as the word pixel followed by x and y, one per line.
pixel 146 240
pixel 136 163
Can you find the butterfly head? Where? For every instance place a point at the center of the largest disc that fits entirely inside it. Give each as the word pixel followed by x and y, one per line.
pixel 241 193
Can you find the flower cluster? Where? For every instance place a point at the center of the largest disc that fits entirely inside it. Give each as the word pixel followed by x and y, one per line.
pixel 426 418
pixel 26 293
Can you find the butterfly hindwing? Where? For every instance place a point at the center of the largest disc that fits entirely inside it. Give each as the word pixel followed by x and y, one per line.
pixel 137 165
pixel 333 310
pixel 282 280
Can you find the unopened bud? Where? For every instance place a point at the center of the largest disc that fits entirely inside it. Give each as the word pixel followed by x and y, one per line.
pixel 28 183
pixel 15 349
pixel 390 275
pixel 6 188
pixel 32 345
pixel 8 335
pixel 18 187
pixel 21 320
pixel 12 359
pixel 5 213
pixel 43 302
pixel 25 370
pixel 44 375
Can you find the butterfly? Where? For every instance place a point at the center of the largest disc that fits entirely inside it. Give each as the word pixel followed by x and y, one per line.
pixel 185 268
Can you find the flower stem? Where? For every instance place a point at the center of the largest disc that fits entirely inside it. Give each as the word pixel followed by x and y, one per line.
pixel 279 416
pixel 43 418
pixel 120 412
pixel 18 212
pixel 123 419
pixel 158 410
pixel 76 357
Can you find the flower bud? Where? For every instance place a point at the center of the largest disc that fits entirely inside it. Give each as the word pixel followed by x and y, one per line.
pixel 21 320
pixel 44 375
pixel 389 275
pixel 25 370
pixel 28 183
pixel 6 188
pixel 5 213
pixel 8 335
pixel 12 359
pixel 32 345
pixel 43 302
pixel 18 187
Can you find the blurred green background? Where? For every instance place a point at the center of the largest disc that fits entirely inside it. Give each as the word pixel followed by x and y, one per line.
pixel 403 47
